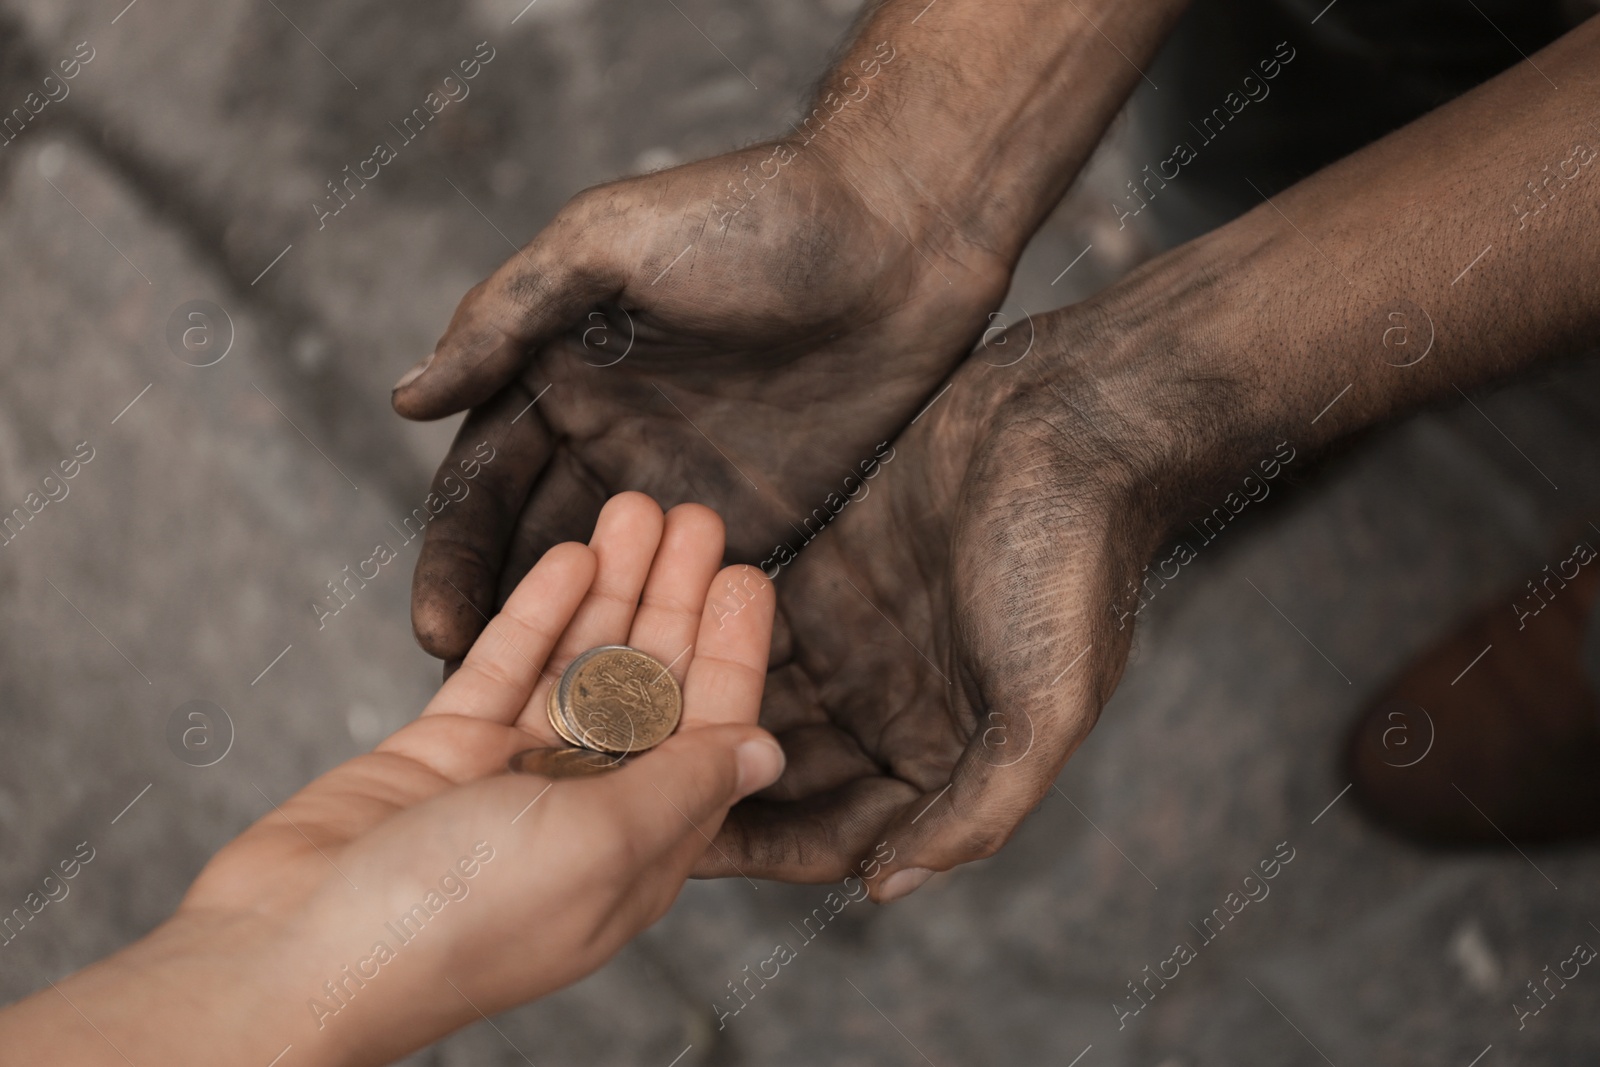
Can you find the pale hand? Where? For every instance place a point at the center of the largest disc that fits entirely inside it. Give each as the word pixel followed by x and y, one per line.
pixel 486 889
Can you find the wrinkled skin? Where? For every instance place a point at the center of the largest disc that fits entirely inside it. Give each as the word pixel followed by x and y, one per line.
pixel 751 373
pixel 931 635
pixel 963 624
pixel 1007 536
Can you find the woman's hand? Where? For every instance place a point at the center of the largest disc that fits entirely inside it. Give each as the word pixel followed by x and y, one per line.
pixel 407 891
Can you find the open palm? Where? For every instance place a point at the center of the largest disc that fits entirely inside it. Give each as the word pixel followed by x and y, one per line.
pixel 429 831
pixel 956 633
pixel 750 367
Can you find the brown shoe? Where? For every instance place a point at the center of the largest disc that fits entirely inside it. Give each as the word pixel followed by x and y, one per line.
pixel 1494 733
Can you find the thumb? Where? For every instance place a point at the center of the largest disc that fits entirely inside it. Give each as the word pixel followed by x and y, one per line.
pixel 535 295
pixel 680 790
pixel 1038 679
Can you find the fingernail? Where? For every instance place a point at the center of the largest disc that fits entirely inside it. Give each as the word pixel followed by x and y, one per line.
pixel 414 373
pixel 760 763
pixel 903 884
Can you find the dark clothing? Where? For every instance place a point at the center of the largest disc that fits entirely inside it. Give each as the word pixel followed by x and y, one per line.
pixel 1364 68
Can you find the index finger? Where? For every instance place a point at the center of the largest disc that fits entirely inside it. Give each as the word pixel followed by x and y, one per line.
pixel 468 518
pixel 506 662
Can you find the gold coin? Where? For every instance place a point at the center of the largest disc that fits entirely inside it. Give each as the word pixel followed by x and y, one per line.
pixel 563 762
pixel 618 699
pixel 558 722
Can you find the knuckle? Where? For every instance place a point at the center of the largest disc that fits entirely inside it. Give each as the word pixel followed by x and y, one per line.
pixel 983 840
pixel 528 286
pixel 585 202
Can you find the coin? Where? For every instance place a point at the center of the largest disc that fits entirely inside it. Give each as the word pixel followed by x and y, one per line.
pixel 618 699
pixel 563 762
pixel 558 721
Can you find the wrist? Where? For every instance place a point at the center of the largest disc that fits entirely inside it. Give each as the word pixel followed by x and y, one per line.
pixel 949 259
pixel 969 120
pixel 1196 360
pixel 1162 390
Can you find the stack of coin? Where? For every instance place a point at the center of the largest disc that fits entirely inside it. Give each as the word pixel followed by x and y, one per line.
pixel 610 703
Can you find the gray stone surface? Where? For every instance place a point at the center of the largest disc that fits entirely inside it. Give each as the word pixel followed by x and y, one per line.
pixel 216 506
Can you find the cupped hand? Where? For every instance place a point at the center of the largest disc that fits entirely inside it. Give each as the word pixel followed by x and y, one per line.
pixel 653 338
pixel 956 632
pixel 507 886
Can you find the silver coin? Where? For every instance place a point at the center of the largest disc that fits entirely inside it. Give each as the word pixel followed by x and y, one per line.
pixel 558 719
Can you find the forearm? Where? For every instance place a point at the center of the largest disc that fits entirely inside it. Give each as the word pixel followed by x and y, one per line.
pixel 1474 227
pixel 184 994
pixel 964 121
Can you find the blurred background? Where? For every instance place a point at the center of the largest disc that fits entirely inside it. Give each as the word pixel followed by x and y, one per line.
pixel 219 501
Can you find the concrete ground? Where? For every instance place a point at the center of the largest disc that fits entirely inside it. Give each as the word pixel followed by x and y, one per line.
pixel 179 566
